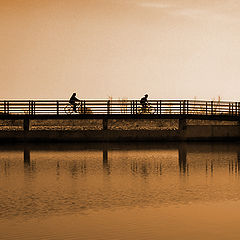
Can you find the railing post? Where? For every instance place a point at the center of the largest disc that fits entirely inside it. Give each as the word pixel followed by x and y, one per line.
pixel 187 106
pixel 157 107
pixel 184 106
pixel 34 105
pixel 57 107
pixel 236 111
pixel 231 106
pixel 108 107
pixel 211 107
pixel 238 108
pixel 80 107
pixel 6 107
pixel 84 107
pixel 206 108
pixel 29 107
pixel 160 107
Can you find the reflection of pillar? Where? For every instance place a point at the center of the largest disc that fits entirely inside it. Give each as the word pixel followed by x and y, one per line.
pixel 206 167
pixel 58 168
pixel 182 158
pixel 212 167
pixel 236 166
pixel 105 157
pixel 26 156
pixel 106 165
pixel 238 161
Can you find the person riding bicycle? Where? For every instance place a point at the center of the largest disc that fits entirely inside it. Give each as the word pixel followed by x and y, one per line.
pixel 144 102
pixel 73 100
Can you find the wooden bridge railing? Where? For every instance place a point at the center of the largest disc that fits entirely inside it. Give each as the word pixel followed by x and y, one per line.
pixel 62 107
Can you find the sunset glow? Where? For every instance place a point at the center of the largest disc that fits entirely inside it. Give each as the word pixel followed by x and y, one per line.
pixel 99 48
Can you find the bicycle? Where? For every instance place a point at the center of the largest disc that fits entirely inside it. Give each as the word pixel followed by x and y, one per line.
pixel 68 109
pixel 80 109
pixel 146 110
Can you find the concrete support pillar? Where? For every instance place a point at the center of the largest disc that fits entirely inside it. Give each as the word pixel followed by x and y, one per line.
pixel 182 124
pixel 105 123
pixel 26 124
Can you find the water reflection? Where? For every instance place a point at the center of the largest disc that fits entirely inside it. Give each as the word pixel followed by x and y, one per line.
pixel 182 157
pixel 234 166
pixel 106 164
pixel 42 180
pixel 29 166
pixel 145 168
pixel 26 155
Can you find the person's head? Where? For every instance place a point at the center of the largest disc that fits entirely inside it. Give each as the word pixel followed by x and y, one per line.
pixel 146 95
pixel 74 94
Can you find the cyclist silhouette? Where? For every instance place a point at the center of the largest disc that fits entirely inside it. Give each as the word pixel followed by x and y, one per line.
pixel 73 100
pixel 144 101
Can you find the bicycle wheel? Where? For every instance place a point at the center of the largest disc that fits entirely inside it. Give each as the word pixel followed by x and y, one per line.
pixel 80 109
pixel 68 109
pixel 139 111
pixel 151 110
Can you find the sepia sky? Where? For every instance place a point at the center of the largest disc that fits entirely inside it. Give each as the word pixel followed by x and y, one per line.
pixel 173 49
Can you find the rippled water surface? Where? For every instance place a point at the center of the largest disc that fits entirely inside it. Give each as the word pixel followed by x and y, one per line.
pixel 144 191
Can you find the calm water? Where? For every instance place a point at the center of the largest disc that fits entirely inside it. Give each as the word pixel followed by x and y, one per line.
pixel 146 191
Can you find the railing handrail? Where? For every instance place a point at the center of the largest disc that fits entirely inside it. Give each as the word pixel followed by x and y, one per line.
pixel 119 106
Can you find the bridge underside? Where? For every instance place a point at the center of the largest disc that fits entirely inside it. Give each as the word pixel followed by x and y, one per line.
pixel 196 133
pixel 220 117
pixel 183 128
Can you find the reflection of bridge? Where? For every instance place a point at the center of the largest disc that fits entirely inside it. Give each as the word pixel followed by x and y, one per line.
pixel 182 157
pixel 140 167
pixel 195 120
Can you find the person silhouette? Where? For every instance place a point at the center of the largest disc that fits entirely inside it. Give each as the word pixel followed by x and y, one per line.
pixel 73 100
pixel 144 101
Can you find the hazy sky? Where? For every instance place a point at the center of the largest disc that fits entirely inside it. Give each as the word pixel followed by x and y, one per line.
pixel 120 48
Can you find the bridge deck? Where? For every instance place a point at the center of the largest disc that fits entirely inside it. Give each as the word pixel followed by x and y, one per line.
pixel 26 111
pixel 121 109
pixel 120 116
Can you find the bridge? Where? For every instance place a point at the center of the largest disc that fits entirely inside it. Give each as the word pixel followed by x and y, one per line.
pixel 132 107
pixel 195 119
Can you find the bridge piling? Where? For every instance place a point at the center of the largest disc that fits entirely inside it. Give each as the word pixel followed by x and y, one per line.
pixel 26 124
pixel 105 123
pixel 182 125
